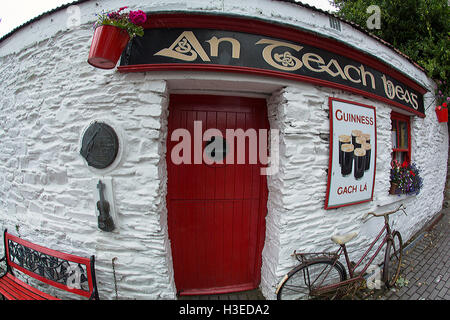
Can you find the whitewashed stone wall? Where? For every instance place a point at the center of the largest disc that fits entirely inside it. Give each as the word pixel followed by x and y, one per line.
pixel 49 94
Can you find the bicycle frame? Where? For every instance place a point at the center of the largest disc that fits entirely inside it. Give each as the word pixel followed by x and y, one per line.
pixel 351 269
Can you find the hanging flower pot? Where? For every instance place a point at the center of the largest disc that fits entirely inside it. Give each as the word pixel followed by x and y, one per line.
pixel 107 46
pixel 112 32
pixel 442 114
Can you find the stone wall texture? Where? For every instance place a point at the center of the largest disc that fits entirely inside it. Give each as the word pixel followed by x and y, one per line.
pixel 49 94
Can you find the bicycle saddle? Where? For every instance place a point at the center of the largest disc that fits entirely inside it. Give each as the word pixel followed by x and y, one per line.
pixel 343 239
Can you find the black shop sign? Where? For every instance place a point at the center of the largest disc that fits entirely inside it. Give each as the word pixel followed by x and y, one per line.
pixel 204 49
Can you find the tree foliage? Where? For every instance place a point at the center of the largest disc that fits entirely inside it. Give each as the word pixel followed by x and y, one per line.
pixel 418 28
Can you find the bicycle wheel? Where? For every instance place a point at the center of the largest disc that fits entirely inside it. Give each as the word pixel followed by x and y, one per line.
pixel 299 281
pixel 393 259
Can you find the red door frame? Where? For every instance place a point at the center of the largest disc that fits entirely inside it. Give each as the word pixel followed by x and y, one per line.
pixel 192 100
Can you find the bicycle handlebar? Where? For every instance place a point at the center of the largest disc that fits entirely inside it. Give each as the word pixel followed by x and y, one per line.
pixel 385 214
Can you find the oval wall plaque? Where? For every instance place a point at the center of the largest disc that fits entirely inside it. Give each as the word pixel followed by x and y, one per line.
pixel 99 145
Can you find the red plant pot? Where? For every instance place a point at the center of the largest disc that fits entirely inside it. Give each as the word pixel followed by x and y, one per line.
pixel 107 46
pixel 442 114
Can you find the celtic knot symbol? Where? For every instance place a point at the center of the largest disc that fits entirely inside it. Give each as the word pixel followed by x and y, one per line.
pixel 183 46
pixel 285 59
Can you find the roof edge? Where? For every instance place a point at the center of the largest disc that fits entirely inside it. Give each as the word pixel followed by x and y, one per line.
pixel 39 17
pixel 294 2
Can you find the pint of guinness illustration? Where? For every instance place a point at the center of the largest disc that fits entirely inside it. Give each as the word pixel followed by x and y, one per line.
pixel 359 141
pixel 356 147
pixel 366 137
pixel 360 162
pixel 355 134
pixel 343 139
pixel 367 147
pixel 347 159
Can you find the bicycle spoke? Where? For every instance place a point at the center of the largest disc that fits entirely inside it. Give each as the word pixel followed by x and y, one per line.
pixel 308 277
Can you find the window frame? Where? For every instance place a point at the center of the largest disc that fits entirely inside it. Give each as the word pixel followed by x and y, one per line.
pixel 404 118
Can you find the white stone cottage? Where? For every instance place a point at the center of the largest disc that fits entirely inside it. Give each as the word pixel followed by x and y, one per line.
pixel 263 64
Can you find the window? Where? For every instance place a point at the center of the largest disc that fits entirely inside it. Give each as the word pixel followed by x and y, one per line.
pixel 401 137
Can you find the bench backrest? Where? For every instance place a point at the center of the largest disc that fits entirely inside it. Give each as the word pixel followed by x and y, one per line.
pixel 61 270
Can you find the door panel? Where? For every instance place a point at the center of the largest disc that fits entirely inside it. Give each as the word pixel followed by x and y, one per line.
pixel 216 212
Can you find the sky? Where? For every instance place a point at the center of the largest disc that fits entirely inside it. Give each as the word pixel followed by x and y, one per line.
pixel 14 13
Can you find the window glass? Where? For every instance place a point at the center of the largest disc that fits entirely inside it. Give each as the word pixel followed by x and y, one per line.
pixel 394 134
pixel 400 132
pixel 403 135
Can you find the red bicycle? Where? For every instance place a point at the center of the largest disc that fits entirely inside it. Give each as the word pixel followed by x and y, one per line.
pixel 321 274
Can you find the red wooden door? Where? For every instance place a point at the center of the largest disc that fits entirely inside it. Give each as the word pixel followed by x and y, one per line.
pixel 216 212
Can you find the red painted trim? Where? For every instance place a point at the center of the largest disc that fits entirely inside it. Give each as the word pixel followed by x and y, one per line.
pixel 279 31
pixel 54 253
pixel 48 251
pixel 330 159
pixel 261 72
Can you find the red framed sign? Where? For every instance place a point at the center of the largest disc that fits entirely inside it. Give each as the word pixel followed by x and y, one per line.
pixel 353 153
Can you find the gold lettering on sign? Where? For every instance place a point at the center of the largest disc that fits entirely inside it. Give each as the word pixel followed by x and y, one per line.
pixel 285 61
pixel 337 67
pixel 347 73
pixel 214 46
pixel 389 88
pixel 365 73
pixel 186 47
pixel 312 57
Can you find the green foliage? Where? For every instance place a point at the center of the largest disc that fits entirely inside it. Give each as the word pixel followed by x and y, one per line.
pixel 402 282
pixel 418 28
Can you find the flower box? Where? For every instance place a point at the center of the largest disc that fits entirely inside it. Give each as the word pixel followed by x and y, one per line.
pixel 394 188
pixel 405 178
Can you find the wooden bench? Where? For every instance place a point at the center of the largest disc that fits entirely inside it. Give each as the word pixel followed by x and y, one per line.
pixel 61 270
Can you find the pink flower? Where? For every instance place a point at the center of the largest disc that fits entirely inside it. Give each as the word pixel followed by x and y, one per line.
pixel 137 17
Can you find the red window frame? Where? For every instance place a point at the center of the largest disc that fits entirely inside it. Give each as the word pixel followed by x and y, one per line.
pixel 396 119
